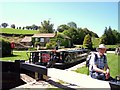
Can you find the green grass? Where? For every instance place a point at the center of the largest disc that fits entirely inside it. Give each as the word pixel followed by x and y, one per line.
pixel 111 46
pixel 16 56
pixel 83 70
pixel 112 63
pixel 17 31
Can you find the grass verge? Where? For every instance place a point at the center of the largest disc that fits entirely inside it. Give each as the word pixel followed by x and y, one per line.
pixel 17 55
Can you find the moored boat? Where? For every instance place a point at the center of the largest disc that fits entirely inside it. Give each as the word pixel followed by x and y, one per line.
pixel 65 58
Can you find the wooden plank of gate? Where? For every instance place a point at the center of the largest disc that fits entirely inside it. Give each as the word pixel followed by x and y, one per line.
pixel 77 79
pixel 27 78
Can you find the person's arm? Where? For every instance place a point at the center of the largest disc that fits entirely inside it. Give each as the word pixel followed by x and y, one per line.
pixel 98 70
pixel 107 68
pixel 107 74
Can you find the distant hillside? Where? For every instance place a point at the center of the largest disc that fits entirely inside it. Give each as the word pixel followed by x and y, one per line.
pixel 1 38
pixel 16 39
pixel 17 31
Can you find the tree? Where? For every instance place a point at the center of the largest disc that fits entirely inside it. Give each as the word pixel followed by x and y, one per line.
pixel 61 40
pixel 39 27
pixel 117 35
pixel 23 28
pixel 46 27
pixel 4 25
pixel 29 27
pixel 72 33
pixel 81 35
pixel 111 37
pixel 87 43
pixel 94 34
pixel 72 24
pixel 62 27
pixel 34 27
pixel 13 26
pixel 66 32
pixel 19 27
pixel 103 39
pixel 108 37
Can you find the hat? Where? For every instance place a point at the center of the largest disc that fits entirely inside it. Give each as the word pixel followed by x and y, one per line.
pixel 102 46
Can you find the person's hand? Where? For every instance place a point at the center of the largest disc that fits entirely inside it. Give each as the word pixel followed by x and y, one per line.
pixel 107 74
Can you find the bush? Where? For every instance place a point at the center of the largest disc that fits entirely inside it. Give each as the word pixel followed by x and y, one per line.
pixel 31 49
pixel 63 42
pixel 37 43
pixel 21 49
pixel 21 36
pixel 51 45
pixel 5 47
pixel 87 43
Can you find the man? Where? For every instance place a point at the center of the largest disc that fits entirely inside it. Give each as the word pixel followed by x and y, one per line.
pixel 98 64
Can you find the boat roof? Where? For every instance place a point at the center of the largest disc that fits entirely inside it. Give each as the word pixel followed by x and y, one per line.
pixel 61 50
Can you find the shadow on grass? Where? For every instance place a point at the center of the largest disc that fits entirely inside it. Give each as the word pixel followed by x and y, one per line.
pixel 10 56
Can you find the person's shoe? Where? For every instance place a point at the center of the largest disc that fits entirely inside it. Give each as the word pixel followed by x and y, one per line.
pixel 112 79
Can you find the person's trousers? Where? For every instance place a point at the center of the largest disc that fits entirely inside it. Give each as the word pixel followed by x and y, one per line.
pixel 96 75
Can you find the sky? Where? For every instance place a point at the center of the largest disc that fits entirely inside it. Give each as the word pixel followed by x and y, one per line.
pixel 92 15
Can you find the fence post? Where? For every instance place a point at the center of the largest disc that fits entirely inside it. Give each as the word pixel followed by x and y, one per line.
pixel 17 68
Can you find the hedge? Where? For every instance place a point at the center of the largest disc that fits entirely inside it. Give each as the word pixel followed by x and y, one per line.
pixel 5 47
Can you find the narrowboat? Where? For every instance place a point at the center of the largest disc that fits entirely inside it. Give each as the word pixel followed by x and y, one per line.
pixel 65 58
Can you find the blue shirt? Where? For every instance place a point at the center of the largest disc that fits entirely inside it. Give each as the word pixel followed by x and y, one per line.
pixel 100 62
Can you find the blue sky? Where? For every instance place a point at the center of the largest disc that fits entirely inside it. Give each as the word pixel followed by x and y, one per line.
pixel 92 15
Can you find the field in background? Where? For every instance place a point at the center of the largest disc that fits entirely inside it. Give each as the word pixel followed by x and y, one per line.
pixel 17 31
